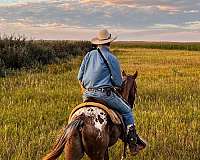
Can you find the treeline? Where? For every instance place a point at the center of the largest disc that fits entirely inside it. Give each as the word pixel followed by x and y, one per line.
pixel 16 52
pixel 190 46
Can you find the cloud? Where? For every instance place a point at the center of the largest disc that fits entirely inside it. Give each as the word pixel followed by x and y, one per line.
pixel 191 25
pixel 109 1
pixel 195 25
pixel 14 3
pixel 126 16
pixel 168 8
pixel 160 35
pixel 47 31
pixel 134 4
pixel 192 11
pixel 61 31
pixel 165 26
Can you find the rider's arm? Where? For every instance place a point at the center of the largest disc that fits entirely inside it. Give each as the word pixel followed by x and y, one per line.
pixel 80 75
pixel 81 71
pixel 82 68
pixel 82 88
pixel 116 71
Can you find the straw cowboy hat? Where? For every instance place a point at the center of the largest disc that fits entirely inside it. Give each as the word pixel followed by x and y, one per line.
pixel 103 37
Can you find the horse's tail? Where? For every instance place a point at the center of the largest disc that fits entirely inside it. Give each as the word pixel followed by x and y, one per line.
pixel 66 134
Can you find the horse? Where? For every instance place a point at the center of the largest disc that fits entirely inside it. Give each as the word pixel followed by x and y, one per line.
pixel 94 133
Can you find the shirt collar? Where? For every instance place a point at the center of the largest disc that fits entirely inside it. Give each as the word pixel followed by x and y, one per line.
pixel 104 48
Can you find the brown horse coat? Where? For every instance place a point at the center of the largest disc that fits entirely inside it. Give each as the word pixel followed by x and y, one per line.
pixel 91 131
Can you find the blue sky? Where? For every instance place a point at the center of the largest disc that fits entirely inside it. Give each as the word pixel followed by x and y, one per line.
pixel 149 20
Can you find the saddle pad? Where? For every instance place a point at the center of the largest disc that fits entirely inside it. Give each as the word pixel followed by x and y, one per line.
pixel 113 116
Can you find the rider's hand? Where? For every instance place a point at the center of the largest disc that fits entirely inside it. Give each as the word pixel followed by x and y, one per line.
pixel 82 88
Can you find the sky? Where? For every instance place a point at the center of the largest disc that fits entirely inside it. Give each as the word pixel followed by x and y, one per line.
pixel 140 20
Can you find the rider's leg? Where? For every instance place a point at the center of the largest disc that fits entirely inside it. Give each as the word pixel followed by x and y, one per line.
pixel 124 109
pixel 115 102
pixel 126 112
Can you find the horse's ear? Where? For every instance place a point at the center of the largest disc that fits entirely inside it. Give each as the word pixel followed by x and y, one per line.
pixel 123 73
pixel 135 75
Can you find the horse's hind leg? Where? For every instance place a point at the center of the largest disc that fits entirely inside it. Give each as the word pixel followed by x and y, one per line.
pixel 73 147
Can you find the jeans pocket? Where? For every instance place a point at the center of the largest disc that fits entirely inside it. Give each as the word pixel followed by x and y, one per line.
pixel 109 96
pixel 102 94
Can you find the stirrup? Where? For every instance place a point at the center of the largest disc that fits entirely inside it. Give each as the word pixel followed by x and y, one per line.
pixel 134 149
pixel 132 142
pixel 141 143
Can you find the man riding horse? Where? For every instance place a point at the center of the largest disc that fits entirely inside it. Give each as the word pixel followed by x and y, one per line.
pixel 99 74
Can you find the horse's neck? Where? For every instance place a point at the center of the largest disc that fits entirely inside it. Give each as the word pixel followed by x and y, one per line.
pixel 125 93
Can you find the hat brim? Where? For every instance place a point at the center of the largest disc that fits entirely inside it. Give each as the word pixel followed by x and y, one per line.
pixel 98 41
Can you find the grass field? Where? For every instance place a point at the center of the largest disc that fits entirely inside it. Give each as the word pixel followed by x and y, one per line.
pixel 34 105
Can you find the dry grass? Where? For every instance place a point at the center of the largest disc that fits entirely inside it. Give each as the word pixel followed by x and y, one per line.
pixel 35 105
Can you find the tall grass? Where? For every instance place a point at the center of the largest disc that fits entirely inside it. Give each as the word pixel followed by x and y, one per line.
pixel 34 106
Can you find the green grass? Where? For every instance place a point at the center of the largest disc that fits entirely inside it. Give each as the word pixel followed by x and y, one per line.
pixel 35 105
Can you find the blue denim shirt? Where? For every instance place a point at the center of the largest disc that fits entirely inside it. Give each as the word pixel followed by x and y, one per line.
pixel 94 73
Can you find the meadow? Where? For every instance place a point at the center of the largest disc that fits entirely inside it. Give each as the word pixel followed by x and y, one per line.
pixel 35 104
pixel 189 46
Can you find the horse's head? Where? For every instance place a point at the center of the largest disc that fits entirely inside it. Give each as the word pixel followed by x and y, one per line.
pixel 129 88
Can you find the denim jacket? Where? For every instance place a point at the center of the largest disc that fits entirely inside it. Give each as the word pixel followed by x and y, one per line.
pixel 94 73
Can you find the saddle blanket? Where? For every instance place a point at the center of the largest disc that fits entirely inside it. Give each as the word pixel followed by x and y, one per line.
pixel 114 116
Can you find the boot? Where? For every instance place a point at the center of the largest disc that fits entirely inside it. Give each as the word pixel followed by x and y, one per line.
pixel 141 143
pixel 132 140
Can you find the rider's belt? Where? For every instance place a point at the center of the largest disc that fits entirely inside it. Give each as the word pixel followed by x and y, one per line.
pixel 107 90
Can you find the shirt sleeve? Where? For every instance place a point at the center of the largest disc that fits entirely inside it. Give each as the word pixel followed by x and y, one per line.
pixel 115 71
pixel 82 68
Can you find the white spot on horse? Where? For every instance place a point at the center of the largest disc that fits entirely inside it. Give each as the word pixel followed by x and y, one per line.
pixel 99 116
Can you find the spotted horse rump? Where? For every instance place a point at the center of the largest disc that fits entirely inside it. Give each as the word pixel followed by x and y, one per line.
pixel 99 117
pixel 96 110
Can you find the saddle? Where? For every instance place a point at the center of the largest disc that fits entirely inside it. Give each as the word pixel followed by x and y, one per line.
pixel 115 117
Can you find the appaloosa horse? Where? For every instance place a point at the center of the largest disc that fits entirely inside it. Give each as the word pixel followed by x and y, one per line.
pixel 91 131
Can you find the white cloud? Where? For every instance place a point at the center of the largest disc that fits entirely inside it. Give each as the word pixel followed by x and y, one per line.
pixel 47 31
pixel 194 25
pixel 65 6
pixel 135 4
pixel 191 11
pixel 168 8
pixel 164 26
pixel 19 3
pixel 2 19
pixel 61 31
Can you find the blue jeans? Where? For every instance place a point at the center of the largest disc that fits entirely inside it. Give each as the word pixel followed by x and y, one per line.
pixel 114 102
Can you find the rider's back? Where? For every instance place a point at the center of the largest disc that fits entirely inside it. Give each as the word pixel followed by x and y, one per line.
pixel 94 72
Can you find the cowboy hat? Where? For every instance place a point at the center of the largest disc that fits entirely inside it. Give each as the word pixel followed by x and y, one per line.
pixel 103 37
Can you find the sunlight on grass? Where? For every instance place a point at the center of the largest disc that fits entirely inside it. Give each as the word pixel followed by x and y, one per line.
pixel 35 105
